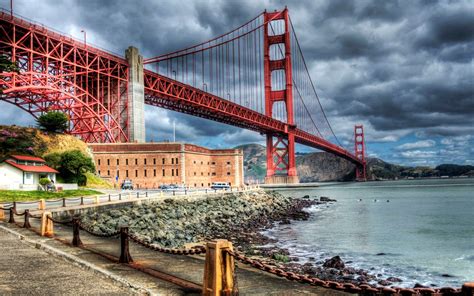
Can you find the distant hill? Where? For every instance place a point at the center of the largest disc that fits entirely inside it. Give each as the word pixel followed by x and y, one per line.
pixel 322 166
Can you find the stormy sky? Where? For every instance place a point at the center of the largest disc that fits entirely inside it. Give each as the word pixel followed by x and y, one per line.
pixel 404 69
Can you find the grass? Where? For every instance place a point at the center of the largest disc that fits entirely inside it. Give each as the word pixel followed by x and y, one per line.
pixel 18 195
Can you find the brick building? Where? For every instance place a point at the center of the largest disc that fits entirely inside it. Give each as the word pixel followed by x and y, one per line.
pixel 150 165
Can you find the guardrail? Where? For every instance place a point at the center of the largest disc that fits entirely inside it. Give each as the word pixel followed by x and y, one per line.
pixel 52 204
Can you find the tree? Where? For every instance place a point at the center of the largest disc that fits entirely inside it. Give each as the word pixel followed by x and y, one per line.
pixel 53 121
pixel 73 166
pixel 53 160
pixel 7 66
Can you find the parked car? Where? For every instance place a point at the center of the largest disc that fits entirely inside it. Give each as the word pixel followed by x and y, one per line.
pixel 127 185
pixel 220 186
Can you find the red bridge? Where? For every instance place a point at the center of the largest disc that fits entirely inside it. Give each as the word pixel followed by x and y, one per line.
pixel 254 77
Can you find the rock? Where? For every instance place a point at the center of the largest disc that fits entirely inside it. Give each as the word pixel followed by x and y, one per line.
pixel 326 199
pixel 394 279
pixel 418 285
pixel 380 254
pixel 384 283
pixel 447 275
pixel 334 262
pixel 306 196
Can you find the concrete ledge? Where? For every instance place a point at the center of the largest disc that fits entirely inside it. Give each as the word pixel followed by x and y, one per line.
pixel 38 244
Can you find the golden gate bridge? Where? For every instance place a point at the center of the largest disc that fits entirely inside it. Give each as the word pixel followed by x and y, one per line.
pixel 254 77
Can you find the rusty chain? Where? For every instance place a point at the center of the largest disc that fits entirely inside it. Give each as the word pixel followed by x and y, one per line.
pixel 59 222
pixel 89 230
pixel 193 251
pixel 364 289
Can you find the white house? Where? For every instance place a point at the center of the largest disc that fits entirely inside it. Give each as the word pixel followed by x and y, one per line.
pixel 24 172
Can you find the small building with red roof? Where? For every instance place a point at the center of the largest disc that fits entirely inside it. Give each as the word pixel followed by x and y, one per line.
pixel 24 172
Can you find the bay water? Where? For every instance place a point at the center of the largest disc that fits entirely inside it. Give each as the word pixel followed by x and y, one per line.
pixel 421 231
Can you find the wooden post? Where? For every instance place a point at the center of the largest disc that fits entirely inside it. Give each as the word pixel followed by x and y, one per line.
pixel 64 202
pixel 76 239
pixel 109 198
pixel 82 200
pixel 12 215
pixel 120 196
pixel 124 248
pixel 46 225
pixel 27 224
pixel 468 289
pixel 41 204
pixel 218 269
pixel 97 199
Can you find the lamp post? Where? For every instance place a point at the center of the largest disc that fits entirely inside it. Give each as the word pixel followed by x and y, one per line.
pixel 85 37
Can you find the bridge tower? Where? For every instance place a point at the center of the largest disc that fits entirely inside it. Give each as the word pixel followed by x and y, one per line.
pixel 359 149
pixel 281 163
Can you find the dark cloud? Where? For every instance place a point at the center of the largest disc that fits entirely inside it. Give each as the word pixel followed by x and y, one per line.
pixel 401 67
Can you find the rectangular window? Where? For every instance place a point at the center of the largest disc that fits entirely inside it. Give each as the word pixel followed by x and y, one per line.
pixel 154 160
pixel 228 173
pixel 163 161
pixel 163 172
pixel 176 160
pixel 118 175
pixel 98 172
pixel 177 172
pixel 108 173
pixel 172 172
pixel 154 172
pixel 213 163
pixel 144 173
pixel 98 162
pixel 202 174
pixel 118 162
pixel 194 173
pixel 144 161
pixel 136 161
pixel 202 162
pixel 213 173
pixel 126 173
pixel 108 161
pixel 228 162
pixel 172 160
pixel 136 173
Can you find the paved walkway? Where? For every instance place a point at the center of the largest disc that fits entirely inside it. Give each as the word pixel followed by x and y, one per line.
pixel 26 270
pixel 102 254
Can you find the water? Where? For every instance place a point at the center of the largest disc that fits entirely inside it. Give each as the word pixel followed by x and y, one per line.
pixel 426 230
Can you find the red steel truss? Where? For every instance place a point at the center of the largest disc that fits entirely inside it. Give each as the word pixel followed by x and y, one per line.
pixel 60 73
pixel 91 86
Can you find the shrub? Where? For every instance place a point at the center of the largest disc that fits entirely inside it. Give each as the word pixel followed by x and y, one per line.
pixel 53 121
pixel 44 181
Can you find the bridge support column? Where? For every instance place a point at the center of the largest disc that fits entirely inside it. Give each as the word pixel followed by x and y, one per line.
pixel 281 164
pixel 359 148
pixel 136 95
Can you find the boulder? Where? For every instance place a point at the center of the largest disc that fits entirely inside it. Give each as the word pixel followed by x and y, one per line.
pixel 334 262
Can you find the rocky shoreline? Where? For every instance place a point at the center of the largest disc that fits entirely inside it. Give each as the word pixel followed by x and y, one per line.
pixel 238 217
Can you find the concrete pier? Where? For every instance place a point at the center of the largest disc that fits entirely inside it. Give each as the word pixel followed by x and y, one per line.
pixel 136 95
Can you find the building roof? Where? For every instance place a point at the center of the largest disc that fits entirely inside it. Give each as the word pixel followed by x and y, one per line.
pixel 32 168
pixel 27 158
